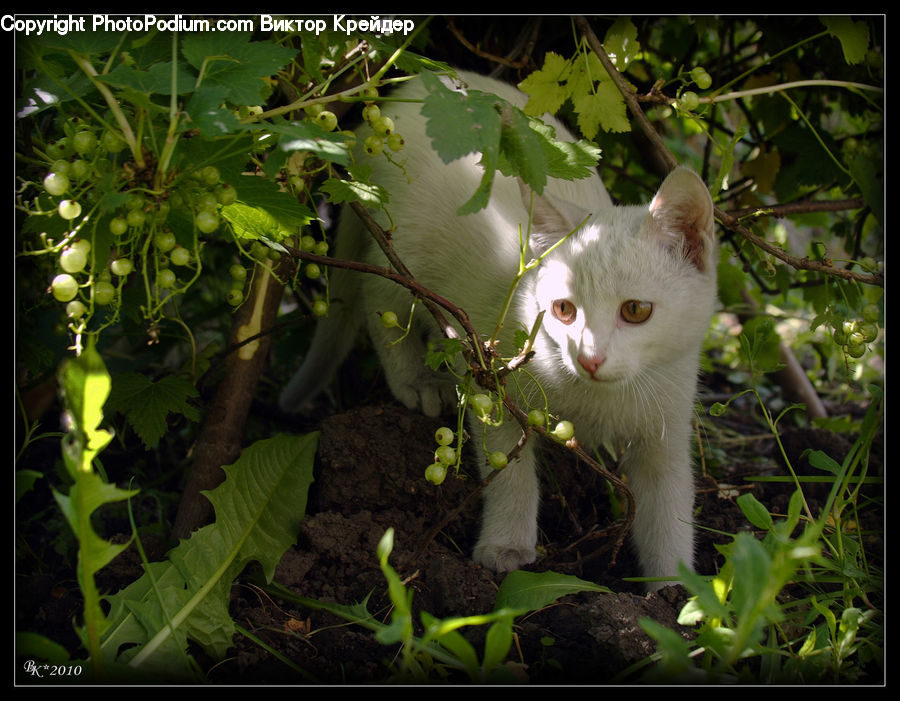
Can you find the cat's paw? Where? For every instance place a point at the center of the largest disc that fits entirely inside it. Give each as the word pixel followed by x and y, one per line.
pixel 503 557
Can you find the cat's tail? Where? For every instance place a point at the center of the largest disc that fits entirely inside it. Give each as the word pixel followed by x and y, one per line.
pixel 336 333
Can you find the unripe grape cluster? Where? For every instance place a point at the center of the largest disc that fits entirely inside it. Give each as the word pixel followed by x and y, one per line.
pixel 445 456
pixel 853 334
pixel 384 131
pixel 80 164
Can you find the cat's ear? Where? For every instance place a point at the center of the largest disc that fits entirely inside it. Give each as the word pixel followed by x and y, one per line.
pixel 682 215
pixel 551 218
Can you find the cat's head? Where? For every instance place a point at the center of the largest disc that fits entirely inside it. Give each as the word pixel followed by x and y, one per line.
pixel 632 291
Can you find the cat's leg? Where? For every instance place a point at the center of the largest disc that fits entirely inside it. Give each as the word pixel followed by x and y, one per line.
pixel 412 382
pixel 659 474
pixel 510 502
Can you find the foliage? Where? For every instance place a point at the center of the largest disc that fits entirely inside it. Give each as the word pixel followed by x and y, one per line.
pixel 440 650
pixel 159 173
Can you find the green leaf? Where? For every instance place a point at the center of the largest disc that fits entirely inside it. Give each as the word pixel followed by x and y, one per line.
pixel 529 591
pixel 340 191
pixel 147 404
pixel 621 43
pixel 497 643
pixel 523 152
pixel 853 35
pixel 547 88
pixel 752 572
pixel 566 160
pixel 864 174
pixel 278 213
pixel 822 461
pixel 231 60
pixel 460 124
pixel 755 512
pixel 258 511
pixel 156 80
pixel 307 136
pixel 205 112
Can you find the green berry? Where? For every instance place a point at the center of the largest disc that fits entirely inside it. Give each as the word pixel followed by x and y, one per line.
pixel 207 221
pixel 61 166
pixel 164 241
pixel 868 330
pixel 498 459
pixel 69 209
pixel 165 279
pixel 383 126
pixel 871 313
pixel 689 101
pixel 75 309
pixel 701 77
pixel 321 248
pixel 536 417
pixel 238 272
pixel 395 142
pixel 481 404
pixel 206 202
pixel 312 271
pixel 371 112
pixel 118 226
pixel 226 194
pixel 210 176
pixel 80 169
pixel 444 435
pixel 320 308
pixel 121 267
pixel 104 292
pixel 370 92
pixel 564 430
pixel 373 145
pixel 445 454
pixel 389 319
pixel 56 183
pixel 314 110
pixel 327 120
pixel 135 218
pixel 73 259
pixel 180 256
pixel 436 473
pixel 83 245
pixel 307 243
pixel 84 142
pixel 64 287
pixel 235 296
pixel 855 350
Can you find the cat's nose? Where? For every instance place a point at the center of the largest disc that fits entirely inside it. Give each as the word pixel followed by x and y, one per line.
pixel 591 363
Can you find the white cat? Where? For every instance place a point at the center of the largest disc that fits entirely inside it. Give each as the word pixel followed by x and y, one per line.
pixel 627 300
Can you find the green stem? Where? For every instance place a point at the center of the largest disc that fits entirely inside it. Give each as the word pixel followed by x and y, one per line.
pixel 781 87
pixel 114 107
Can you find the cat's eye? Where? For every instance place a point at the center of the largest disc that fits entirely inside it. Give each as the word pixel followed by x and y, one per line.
pixel 564 310
pixel 635 311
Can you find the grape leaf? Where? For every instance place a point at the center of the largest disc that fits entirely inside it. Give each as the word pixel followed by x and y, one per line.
pixel 147 404
pixel 340 191
pixel 233 61
pixel 853 35
pixel 547 88
pixel 460 124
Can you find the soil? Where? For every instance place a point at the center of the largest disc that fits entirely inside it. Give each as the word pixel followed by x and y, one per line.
pixel 369 477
